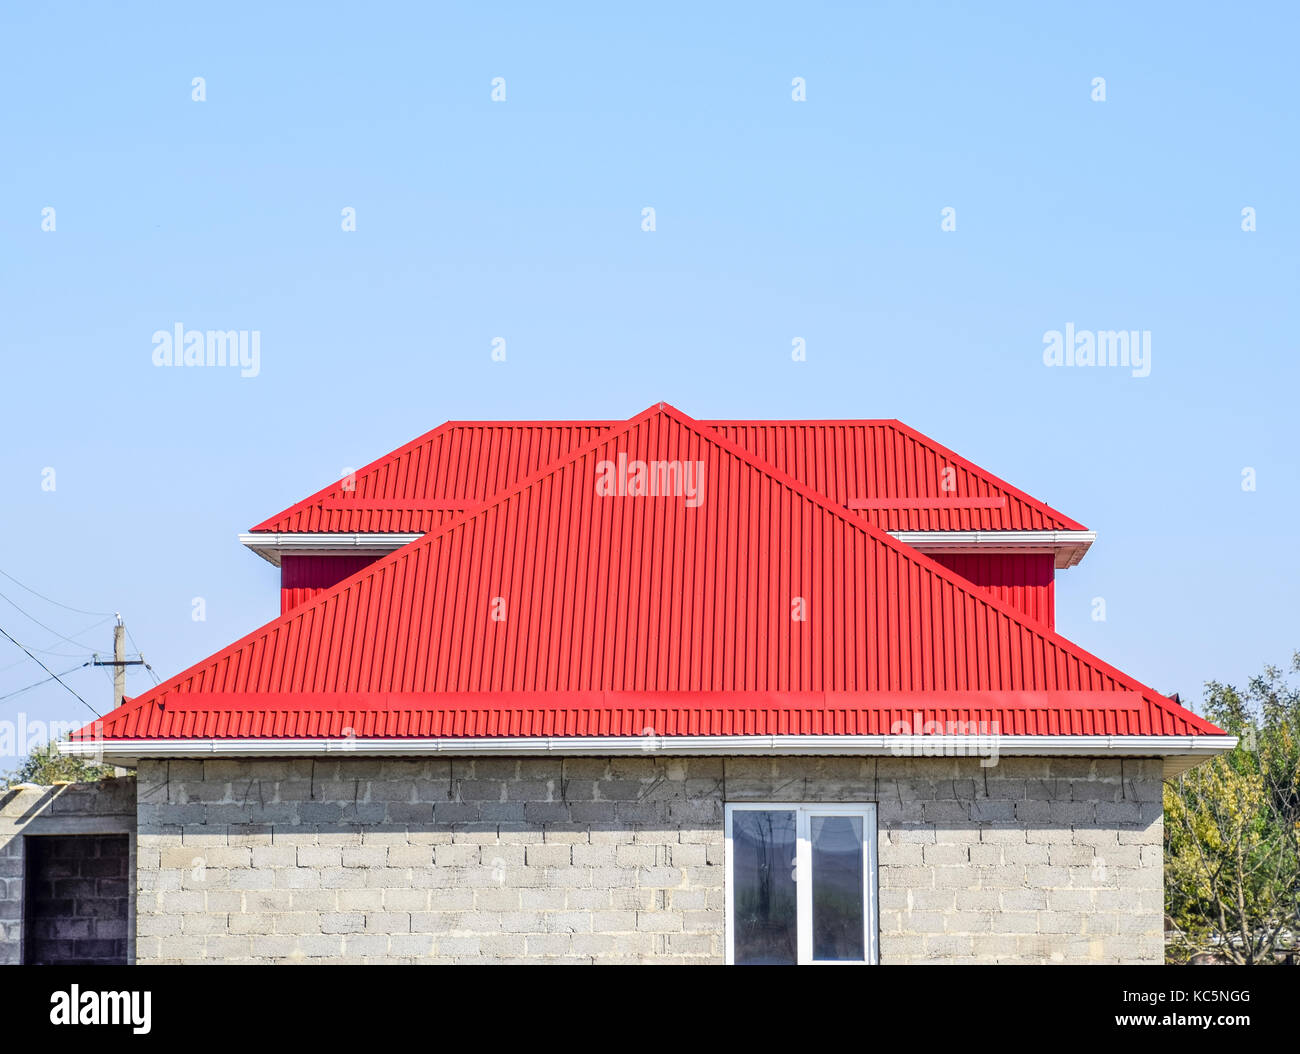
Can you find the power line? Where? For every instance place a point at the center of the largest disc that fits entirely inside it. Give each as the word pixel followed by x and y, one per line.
pixel 66 607
pixel 59 653
pixel 82 649
pixel 51 629
pixel 51 673
pixel 141 654
pixel 104 617
pixel 43 680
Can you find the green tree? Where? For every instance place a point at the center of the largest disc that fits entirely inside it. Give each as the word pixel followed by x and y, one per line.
pixel 1232 829
pixel 45 765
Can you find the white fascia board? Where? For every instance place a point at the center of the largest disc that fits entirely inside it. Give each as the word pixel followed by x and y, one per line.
pixel 1069 546
pixel 1181 752
pixel 271 545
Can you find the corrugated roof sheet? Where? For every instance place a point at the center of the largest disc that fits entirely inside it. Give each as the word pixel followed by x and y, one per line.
pixel 558 714
pixel 551 589
pixel 912 482
pixel 422 485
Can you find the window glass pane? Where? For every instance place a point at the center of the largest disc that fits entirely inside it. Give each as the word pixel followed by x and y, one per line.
pixel 763 847
pixel 838 910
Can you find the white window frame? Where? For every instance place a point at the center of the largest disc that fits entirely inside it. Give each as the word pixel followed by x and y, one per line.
pixel 804 811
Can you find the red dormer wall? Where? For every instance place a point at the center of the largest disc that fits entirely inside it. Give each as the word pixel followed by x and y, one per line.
pixel 1023 580
pixel 302 577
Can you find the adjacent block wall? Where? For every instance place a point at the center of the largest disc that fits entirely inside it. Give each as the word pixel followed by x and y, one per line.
pixel 85 903
pixel 614 860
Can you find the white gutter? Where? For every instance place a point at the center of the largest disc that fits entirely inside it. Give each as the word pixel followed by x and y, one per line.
pixel 1181 752
pixel 1069 546
pixel 269 545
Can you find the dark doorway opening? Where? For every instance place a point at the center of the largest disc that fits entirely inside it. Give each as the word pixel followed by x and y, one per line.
pixel 76 899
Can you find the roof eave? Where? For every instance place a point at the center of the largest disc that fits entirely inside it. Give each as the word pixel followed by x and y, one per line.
pixel 272 545
pixel 1179 753
pixel 1068 547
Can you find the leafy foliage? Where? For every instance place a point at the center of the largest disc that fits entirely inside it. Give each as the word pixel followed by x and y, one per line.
pixel 1232 830
pixel 45 765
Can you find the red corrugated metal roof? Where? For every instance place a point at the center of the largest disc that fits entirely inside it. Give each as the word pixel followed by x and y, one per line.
pixel 420 486
pixel 486 714
pixel 639 594
pixel 911 482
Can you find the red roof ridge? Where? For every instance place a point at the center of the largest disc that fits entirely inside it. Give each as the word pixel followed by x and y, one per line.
pixel 328 594
pixel 993 601
pixel 952 455
pixel 373 502
pixel 708 435
pixel 330 488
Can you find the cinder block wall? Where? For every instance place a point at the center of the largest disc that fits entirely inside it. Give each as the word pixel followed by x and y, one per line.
pixel 77 892
pixel 614 860
pixel 106 807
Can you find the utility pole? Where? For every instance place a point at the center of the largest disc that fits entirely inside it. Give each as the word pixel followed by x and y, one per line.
pixel 119 663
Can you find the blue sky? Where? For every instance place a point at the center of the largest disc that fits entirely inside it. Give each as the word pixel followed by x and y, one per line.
pixel 521 219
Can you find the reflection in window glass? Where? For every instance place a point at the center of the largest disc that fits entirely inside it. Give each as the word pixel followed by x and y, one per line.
pixel 837 907
pixel 766 910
